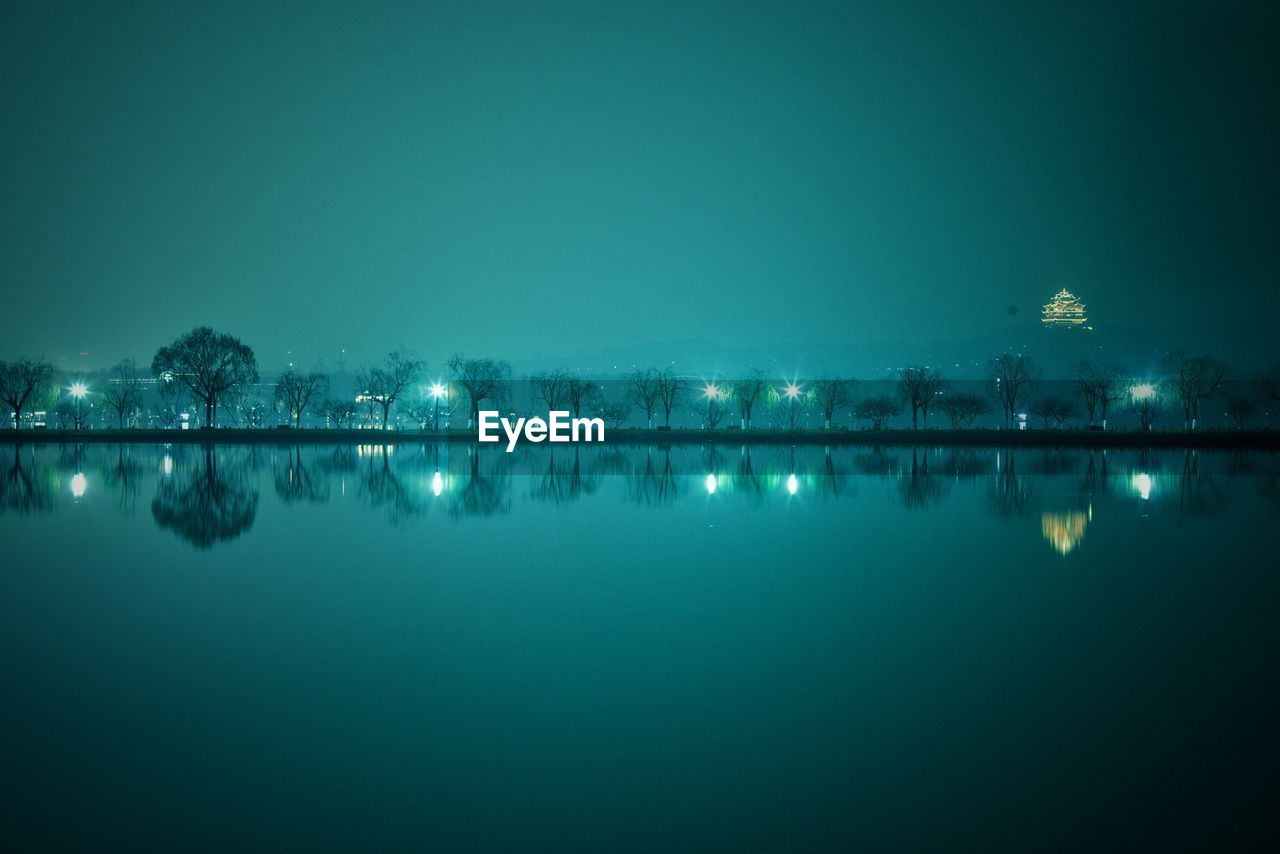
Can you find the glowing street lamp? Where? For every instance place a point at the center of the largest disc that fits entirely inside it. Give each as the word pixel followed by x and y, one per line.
pixel 78 391
pixel 712 391
pixel 1143 391
pixel 792 391
pixel 437 392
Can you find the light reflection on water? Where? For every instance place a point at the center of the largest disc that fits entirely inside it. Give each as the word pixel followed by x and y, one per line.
pixel 211 495
pixel 847 633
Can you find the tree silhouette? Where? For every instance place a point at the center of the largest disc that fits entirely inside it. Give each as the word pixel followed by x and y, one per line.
pixel 209 364
pixel 20 381
pixel 1195 380
pixel 831 393
pixel 878 410
pixel 918 387
pixel 642 390
pixel 669 387
pixel 963 408
pixel 746 393
pixel 297 392
pixel 1010 378
pixel 123 391
pixel 480 379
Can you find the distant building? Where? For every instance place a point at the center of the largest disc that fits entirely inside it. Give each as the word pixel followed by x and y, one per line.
pixel 1065 311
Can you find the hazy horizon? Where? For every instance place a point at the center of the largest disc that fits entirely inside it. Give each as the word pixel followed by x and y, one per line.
pixel 561 181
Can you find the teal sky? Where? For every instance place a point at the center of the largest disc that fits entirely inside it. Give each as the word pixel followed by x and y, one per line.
pixel 526 177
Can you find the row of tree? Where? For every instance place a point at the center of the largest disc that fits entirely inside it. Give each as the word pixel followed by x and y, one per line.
pixel 210 368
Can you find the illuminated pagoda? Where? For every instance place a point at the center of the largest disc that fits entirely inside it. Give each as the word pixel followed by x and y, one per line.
pixel 1065 311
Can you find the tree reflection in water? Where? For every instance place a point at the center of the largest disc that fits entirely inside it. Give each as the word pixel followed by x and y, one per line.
pixel 917 488
pixel 123 473
pixel 1199 494
pixel 383 488
pixel 25 487
pixel 565 483
pixel 655 484
pixel 483 495
pixel 208 502
pixel 1010 494
pixel 296 482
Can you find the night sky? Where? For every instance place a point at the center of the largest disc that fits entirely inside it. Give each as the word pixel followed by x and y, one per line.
pixel 532 180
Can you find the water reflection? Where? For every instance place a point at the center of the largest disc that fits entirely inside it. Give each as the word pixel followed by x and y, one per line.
pixel 209 498
pixel 1064 531
pixel 211 495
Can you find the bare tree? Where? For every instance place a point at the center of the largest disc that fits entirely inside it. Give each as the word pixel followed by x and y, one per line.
pixel 669 388
pixel 964 407
pixel 549 386
pixel 878 410
pixel 830 393
pixel 746 392
pixel 67 413
pixel 296 392
pixel 642 390
pixel 1195 380
pixel 479 378
pixel 340 412
pixel 711 409
pixel 1147 407
pixel 787 405
pixel 123 392
pixel 171 395
pixel 579 394
pixel 1099 386
pixel 420 410
pixel 918 387
pixel 384 383
pixel 19 381
pixel 615 414
pixel 1053 410
pixel 208 363
pixel 1011 378
pixel 1241 409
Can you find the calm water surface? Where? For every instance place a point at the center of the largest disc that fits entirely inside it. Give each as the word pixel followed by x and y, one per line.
pixel 635 648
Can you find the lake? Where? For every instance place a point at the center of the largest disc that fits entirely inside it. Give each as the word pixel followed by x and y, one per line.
pixel 636 648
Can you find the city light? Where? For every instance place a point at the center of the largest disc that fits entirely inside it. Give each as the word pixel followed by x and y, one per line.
pixel 792 391
pixel 793 486
pixel 437 484
pixel 437 390
pixel 1140 483
pixel 78 484
pixel 712 391
pixel 1143 391
pixel 711 484
pixel 79 390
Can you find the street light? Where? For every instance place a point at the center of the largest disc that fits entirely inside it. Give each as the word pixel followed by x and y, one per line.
pixel 437 392
pixel 78 391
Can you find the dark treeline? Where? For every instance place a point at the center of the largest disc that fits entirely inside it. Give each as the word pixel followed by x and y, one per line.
pixel 207 378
